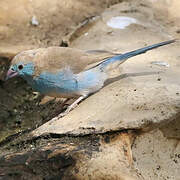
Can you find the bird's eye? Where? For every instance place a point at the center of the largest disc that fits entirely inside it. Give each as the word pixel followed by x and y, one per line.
pixel 20 67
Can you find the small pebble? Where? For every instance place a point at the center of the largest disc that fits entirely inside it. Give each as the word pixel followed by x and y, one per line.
pixel 34 21
pixel 160 63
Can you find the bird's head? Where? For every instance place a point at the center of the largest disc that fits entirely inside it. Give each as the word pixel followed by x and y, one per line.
pixel 22 65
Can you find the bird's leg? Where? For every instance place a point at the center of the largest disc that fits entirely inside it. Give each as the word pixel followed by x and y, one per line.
pixel 64 102
pixel 72 106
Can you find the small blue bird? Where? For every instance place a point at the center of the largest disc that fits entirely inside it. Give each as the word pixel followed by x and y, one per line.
pixel 69 72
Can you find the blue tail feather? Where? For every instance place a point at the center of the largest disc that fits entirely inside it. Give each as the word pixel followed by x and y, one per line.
pixel 125 56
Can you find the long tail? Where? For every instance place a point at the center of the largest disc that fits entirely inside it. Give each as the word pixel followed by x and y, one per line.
pixel 123 57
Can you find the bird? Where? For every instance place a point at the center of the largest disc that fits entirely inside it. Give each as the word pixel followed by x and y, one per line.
pixel 69 72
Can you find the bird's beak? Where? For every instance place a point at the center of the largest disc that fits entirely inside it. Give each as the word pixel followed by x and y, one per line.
pixel 11 74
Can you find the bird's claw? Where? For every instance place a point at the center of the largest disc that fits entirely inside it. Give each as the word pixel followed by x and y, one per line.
pixel 65 112
pixel 71 107
pixel 62 114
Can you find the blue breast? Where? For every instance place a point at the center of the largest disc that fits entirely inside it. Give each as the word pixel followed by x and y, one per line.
pixel 65 82
pixel 48 83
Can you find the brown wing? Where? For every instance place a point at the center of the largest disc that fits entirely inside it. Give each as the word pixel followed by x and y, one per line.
pixel 53 59
pixel 102 54
pixel 97 51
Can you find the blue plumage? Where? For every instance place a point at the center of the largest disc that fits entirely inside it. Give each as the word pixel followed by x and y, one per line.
pixel 67 84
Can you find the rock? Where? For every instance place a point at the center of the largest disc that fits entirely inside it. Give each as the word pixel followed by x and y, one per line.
pixel 9 51
pixel 94 157
pixel 32 24
pixel 156 153
pixel 142 96
pixel 169 8
pixel 128 130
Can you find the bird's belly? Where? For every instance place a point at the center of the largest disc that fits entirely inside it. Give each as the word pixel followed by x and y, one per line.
pixel 56 89
pixel 90 81
pixel 75 85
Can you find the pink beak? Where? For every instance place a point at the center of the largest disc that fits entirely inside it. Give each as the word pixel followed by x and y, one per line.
pixel 11 74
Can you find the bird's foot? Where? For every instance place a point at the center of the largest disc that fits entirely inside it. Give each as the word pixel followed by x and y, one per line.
pixel 71 107
pixel 62 114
